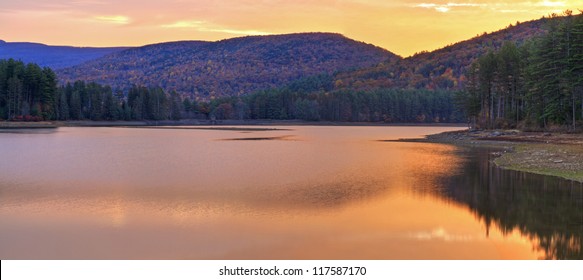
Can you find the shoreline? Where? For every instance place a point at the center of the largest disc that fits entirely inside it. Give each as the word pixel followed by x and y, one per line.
pixel 27 125
pixel 195 122
pixel 555 154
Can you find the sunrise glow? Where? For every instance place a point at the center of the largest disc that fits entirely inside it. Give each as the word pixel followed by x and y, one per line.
pixel 401 26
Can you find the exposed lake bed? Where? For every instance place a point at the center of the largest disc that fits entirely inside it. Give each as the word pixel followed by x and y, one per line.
pixel 555 154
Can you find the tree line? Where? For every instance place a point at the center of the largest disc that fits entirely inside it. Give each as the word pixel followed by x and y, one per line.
pixel 536 85
pixel 28 92
pixel 92 101
pixel 313 99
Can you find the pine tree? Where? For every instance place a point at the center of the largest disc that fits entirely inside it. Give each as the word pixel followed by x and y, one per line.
pixel 576 62
pixel 110 108
pixel 175 105
pixel 14 95
pixel 75 109
pixel 48 93
pixel 63 106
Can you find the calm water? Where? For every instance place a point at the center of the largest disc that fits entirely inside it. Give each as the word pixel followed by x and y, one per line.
pixel 296 193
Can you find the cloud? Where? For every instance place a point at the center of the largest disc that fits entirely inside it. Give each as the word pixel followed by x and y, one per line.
pixel 113 19
pixel 203 26
pixel 444 8
pixel 184 24
pixel 503 6
pixel 88 2
pixel 236 32
pixel 551 4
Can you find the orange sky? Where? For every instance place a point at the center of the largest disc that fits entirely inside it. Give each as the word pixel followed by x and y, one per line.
pixel 401 26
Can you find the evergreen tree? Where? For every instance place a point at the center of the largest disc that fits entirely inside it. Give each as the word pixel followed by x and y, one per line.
pixel 75 109
pixel 14 95
pixel 110 108
pixel 48 93
pixel 576 62
pixel 539 83
pixel 175 105
pixel 63 113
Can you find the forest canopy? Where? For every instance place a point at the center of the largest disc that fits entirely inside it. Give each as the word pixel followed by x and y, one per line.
pixel 536 85
pixel 28 92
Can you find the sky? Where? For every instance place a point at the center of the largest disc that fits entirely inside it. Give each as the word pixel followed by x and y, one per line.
pixel 404 27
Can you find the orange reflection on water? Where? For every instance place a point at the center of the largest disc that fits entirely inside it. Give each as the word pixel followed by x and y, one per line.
pixel 335 194
pixel 385 228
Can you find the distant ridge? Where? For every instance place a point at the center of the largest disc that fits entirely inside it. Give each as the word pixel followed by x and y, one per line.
pixel 231 66
pixel 55 57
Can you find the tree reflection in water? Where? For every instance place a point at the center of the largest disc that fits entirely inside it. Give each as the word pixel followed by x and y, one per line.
pixel 546 209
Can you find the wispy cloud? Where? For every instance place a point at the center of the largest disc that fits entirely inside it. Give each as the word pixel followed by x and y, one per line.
pixel 184 24
pixel 88 2
pixel 112 19
pixel 504 7
pixel 235 32
pixel 203 26
pixel 444 8
pixel 551 4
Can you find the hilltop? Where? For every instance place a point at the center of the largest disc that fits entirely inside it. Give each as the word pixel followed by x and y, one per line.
pixel 55 57
pixel 229 67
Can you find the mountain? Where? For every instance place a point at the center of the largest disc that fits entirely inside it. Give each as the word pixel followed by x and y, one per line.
pixel 228 67
pixel 243 65
pixel 440 69
pixel 55 57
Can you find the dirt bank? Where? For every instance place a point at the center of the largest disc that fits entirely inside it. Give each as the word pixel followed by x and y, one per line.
pixel 542 153
pixel 26 125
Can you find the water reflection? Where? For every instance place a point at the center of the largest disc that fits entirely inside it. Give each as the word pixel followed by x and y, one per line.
pixel 548 210
pixel 284 137
pixel 116 193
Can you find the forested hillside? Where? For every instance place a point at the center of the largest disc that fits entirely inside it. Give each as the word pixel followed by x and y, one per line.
pixel 536 85
pixel 30 93
pixel 308 99
pixel 239 66
pixel 55 57
pixel 231 67
pixel 314 99
pixel 527 76
pixel 242 65
pixel 444 68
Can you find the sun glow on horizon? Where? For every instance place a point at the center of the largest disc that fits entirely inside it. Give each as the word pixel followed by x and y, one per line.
pixel 401 26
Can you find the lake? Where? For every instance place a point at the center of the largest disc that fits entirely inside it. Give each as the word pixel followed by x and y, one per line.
pixel 294 192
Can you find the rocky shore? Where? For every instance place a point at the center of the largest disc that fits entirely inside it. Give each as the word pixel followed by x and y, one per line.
pixel 555 154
